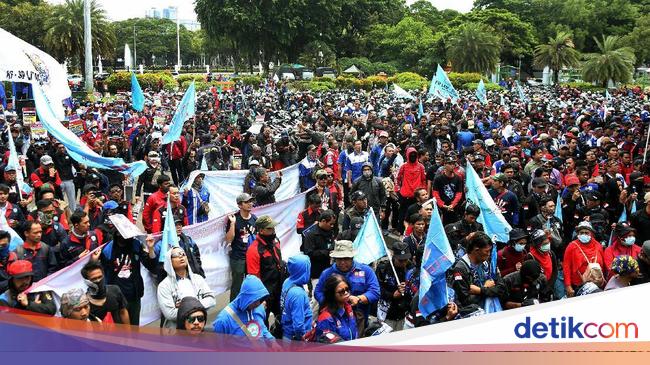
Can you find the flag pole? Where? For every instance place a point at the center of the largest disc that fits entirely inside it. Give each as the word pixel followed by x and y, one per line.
pixel 388 252
pixel 645 150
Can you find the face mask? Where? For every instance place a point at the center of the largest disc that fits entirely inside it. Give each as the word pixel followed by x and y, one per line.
pixel 545 247
pixel 629 241
pixel 268 238
pixel 519 247
pixel 96 289
pixel 367 173
pixel 94 130
pixel 584 238
pixel 46 218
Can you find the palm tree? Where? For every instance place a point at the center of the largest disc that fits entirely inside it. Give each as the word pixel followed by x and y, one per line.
pixel 473 47
pixel 613 62
pixel 559 52
pixel 65 31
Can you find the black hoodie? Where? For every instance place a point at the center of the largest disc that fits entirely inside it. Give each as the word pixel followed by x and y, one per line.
pixel 188 306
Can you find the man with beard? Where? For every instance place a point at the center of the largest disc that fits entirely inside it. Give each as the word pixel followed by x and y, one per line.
pixel 104 298
pixel 21 278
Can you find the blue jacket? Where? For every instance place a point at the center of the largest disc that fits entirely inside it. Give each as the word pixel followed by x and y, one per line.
pixel 296 311
pixel 342 323
pixel 354 162
pixel 252 289
pixel 362 280
pixel 375 156
pixel 465 139
pixel 192 201
pixel 306 168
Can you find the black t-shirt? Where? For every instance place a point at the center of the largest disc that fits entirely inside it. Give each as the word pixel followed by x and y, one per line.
pixel 244 234
pixel 115 302
pixel 447 187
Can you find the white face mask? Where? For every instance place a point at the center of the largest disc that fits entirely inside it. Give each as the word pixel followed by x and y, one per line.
pixel 545 247
pixel 519 247
pixel 584 238
pixel 629 241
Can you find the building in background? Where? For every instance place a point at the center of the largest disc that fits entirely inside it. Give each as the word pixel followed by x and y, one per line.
pixel 171 12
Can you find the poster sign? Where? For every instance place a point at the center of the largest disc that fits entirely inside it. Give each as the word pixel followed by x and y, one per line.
pixel 76 125
pixel 38 131
pixel 29 116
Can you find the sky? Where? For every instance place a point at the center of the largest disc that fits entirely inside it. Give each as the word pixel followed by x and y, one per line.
pixel 125 9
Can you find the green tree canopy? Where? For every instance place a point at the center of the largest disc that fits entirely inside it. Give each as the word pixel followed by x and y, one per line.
pixel 639 39
pixel 559 52
pixel 65 31
pixel 473 47
pixel 612 62
pixel 26 21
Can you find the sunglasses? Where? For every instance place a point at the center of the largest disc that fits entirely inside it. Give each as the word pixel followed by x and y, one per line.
pixel 323 177
pixel 199 319
pixel 177 255
pixel 343 291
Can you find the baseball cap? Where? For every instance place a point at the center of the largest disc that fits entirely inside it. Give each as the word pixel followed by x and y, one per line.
pixel 479 157
pixel 253 163
pixel 538 236
pixel 571 179
pixel 243 197
pixel 356 223
pixel 383 134
pixel 264 222
pixel 213 127
pixel 46 160
pixel 517 233
pixel 500 177
pixel 401 251
pixel 539 182
pixel 489 142
pixel 358 195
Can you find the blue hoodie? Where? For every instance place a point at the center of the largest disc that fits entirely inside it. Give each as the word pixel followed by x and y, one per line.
pixel 252 290
pixel 362 280
pixel 296 311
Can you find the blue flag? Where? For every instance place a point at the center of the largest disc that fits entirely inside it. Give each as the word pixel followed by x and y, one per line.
pixel 520 93
pixel 492 304
pixel 437 259
pixel 481 94
pixel 15 238
pixel 3 95
pixel 401 93
pixel 369 244
pixel 76 148
pixel 441 86
pixel 558 209
pixel 169 237
pixel 633 208
pixel 136 93
pixel 420 109
pixel 204 164
pixel 494 224
pixel 185 110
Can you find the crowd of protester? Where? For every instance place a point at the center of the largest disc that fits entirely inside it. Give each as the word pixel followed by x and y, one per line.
pixel 356 151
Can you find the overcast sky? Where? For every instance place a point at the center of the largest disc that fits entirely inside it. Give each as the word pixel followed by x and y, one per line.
pixel 125 9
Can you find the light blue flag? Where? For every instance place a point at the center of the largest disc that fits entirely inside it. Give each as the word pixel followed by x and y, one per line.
pixel 401 93
pixel 14 163
pixel 501 102
pixel 369 244
pixel 558 209
pixel 420 109
pixel 204 164
pixel 185 110
pixel 633 208
pixel 494 224
pixel 76 148
pixel 521 94
pixel 442 87
pixel 492 304
pixel 15 238
pixel 481 94
pixel 136 93
pixel 437 259
pixel 608 97
pixel 169 237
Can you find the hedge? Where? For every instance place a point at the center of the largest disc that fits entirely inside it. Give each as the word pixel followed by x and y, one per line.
pixel 185 77
pixel 459 79
pixel 409 80
pixel 582 86
pixel 488 86
pixel 378 82
pixel 314 86
pixel 121 81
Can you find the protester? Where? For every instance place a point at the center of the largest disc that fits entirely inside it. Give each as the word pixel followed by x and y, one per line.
pixel 104 298
pixel 21 277
pixel 336 320
pixel 527 286
pixel 583 260
pixel 240 233
pixel 394 300
pixel 296 309
pixel 624 270
pixel 75 305
pixel 192 316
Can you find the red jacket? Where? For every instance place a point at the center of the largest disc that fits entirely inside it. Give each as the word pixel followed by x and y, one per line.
pixel 177 149
pixel 575 263
pixel 153 203
pixel 410 177
pixel 90 139
pixel 159 216
pixel 40 177
pixel 617 249
pixel 508 258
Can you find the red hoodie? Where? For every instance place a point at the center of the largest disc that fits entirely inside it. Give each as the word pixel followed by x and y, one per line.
pixel 616 249
pixel 411 176
pixel 575 263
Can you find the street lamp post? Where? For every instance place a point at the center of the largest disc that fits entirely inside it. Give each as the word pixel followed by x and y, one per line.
pixel 153 61
pixel 88 49
pixel 519 72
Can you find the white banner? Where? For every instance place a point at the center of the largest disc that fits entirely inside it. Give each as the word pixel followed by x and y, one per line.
pixel 224 186
pixel 210 238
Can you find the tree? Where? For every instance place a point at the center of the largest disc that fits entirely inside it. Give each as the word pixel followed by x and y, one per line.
pixel 26 21
pixel 65 32
pixel 639 39
pixel 473 47
pixel 517 36
pixel 317 54
pixel 558 53
pixel 613 62
pixel 404 43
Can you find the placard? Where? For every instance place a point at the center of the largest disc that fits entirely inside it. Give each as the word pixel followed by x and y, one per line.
pixel 29 116
pixel 38 130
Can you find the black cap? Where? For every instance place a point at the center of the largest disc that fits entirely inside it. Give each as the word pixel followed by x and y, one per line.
pixel 539 182
pixel 517 233
pixel 401 251
pixel 358 195
pixel 530 269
